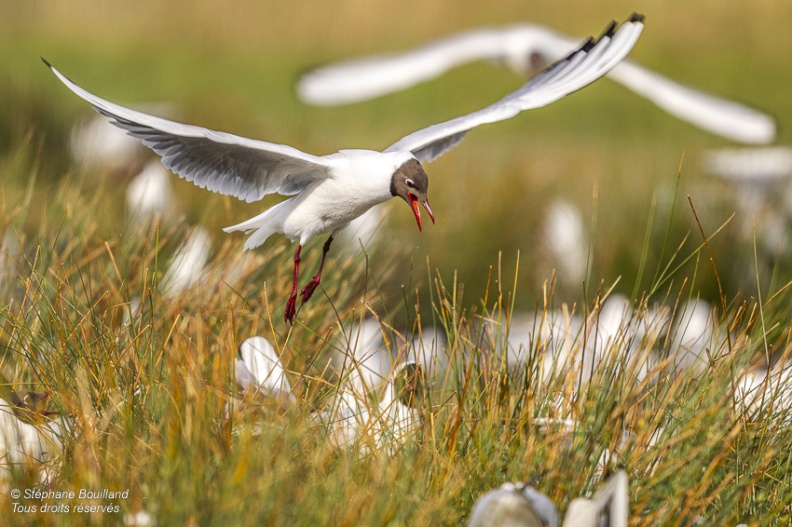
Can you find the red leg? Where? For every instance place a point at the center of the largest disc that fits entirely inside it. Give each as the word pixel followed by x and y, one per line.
pixel 288 314
pixel 309 289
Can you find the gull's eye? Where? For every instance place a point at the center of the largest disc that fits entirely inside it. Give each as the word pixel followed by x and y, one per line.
pixel 410 183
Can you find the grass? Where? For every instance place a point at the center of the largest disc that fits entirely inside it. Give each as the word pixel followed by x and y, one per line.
pixel 147 389
pixel 147 398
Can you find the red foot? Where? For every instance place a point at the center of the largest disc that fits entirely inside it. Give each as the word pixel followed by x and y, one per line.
pixel 288 314
pixel 309 289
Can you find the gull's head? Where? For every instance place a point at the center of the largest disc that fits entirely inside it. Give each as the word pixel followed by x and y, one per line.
pixel 411 183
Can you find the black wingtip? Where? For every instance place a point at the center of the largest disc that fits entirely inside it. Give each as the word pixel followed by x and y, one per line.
pixel 45 61
pixel 590 43
pixel 637 17
pixel 609 31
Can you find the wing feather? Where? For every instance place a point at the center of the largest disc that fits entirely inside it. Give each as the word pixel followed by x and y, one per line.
pixel 221 162
pixel 578 69
pixel 365 78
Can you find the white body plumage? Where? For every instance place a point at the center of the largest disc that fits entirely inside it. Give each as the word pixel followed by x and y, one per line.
pixel 327 205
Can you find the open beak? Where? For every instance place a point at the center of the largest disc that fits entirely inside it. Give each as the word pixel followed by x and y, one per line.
pixel 414 204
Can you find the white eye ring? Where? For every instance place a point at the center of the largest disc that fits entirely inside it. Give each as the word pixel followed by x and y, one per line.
pixel 410 183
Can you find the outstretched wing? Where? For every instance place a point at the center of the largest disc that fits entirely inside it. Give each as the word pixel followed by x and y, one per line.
pixel 720 116
pixel 517 46
pixel 578 69
pixel 366 78
pixel 218 161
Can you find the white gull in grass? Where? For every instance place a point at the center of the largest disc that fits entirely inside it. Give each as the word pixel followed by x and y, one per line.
pixel 381 418
pixel 760 184
pixel 749 165
pixel 9 253
pixel 695 340
pixel 186 266
pixel 609 506
pixel 260 377
pixel 259 369
pixel 428 348
pixel 514 505
pixel 23 444
pixel 766 393
pixel 524 48
pixel 566 242
pixel 332 190
pixel 520 505
pixel 570 345
pixel 149 194
pixel 375 406
pixel 96 144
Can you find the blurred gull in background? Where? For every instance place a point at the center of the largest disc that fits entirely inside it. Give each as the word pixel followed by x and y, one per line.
pixel 259 370
pixel 9 253
pixel 22 443
pixel 763 392
pixel 428 349
pixel 187 264
pixel 149 194
pixel 519 505
pixel 99 145
pixel 760 166
pixel 571 345
pixel 376 403
pixel 695 340
pixel 514 505
pixel 526 49
pixel 608 507
pixel 762 190
pixel 141 518
pixel 566 243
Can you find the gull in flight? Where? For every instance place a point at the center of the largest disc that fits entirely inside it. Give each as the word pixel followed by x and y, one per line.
pixel 524 48
pixel 332 190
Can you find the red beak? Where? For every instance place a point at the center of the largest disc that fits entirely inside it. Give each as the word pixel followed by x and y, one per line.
pixel 414 204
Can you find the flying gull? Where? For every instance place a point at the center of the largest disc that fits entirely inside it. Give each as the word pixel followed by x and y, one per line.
pixel 524 47
pixel 332 190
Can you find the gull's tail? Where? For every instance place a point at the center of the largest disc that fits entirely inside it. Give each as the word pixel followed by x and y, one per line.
pixel 259 227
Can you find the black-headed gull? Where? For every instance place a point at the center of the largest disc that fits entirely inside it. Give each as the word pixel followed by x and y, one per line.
pixel 259 369
pixel 22 443
pixel 330 191
pixel 518 504
pixel 523 47
pixel 378 401
pixel 514 504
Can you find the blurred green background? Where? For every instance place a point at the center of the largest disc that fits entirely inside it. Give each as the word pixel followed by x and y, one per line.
pixel 232 67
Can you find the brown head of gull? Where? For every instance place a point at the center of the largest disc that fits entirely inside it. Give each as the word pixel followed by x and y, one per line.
pixel 328 192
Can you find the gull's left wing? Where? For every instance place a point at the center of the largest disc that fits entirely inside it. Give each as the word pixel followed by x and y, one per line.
pixel 366 78
pixel 578 69
pixel 218 161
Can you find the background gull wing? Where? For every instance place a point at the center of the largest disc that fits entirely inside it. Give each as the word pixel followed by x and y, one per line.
pixel 722 117
pixel 518 46
pixel 578 69
pixel 366 78
pixel 218 161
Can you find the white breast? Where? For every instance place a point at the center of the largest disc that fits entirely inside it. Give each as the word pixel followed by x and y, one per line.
pixel 359 180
